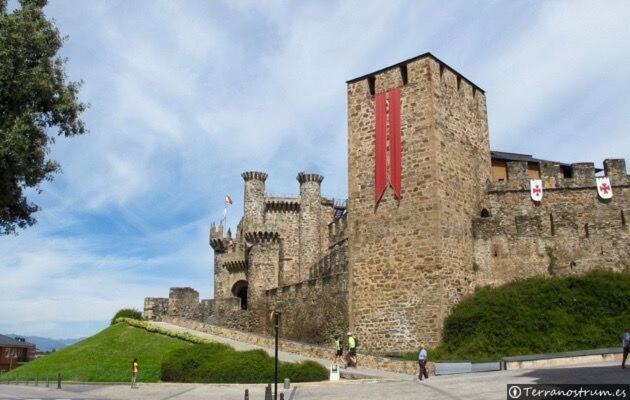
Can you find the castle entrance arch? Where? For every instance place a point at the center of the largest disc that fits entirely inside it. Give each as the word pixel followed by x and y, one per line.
pixel 239 289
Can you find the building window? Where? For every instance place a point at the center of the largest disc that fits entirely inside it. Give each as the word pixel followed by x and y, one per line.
pixel 499 171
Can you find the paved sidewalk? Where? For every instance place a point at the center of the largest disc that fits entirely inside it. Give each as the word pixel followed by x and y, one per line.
pixel 284 356
pixel 475 386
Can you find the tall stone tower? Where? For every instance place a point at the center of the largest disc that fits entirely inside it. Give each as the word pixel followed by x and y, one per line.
pixel 309 222
pixel 411 255
pixel 254 200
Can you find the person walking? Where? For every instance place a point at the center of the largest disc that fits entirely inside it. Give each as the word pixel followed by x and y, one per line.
pixel 423 356
pixel 338 348
pixel 134 373
pixel 351 360
pixel 626 347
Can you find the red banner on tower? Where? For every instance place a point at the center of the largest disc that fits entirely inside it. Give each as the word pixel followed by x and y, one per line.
pixel 387 163
pixel 394 142
pixel 380 157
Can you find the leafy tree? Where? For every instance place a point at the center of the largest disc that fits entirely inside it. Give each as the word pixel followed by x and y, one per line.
pixel 37 103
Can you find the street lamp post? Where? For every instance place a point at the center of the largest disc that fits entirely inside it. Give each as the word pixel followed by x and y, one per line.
pixel 276 327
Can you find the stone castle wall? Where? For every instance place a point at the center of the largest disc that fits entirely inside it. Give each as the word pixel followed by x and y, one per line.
pixel 571 231
pixel 155 308
pixel 316 309
pixel 181 303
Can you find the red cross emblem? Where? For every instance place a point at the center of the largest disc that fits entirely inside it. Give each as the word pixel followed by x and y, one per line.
pixel 605 188
pixel 536 190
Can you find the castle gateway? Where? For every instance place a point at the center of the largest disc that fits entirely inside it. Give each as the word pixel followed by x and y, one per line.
pixel 432 213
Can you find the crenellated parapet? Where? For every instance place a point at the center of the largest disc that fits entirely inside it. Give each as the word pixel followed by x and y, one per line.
pixel 282 204
pixel 222 243
pixel 304 177
pixel 235 261
pixel 262 237
pixel 254 175
pixel 577 176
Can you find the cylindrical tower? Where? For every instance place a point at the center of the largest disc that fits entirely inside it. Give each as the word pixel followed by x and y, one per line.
pixel 309 222
pixel 254 199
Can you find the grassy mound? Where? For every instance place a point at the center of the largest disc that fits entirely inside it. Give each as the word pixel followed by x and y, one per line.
pixel 105 357
pixel 538 315
pixel 218 363
pixel 180 357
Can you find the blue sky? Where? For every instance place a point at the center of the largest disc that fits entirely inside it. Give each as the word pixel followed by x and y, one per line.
pixel 184 96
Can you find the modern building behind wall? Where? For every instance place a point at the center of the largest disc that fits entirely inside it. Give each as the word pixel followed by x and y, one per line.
pixel 431 214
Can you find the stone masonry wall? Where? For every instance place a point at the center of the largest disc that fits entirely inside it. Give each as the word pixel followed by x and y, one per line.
pixel 262 274
pixel 183 302
pixel 317 309
pixel 463 161
pixel 313 311
pixel 571 231
pixel 155 308
pixel 407 257
pixel 282 216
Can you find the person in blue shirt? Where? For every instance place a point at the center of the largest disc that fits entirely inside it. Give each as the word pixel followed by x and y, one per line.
pixel 423 356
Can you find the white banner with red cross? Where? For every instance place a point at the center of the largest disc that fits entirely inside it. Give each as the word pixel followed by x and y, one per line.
pixel 536 189
pixel 604 189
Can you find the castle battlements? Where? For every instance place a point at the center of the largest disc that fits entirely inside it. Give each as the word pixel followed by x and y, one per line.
pixel 262 237
pixel 282 204
pixel 555 177
pixel 254 175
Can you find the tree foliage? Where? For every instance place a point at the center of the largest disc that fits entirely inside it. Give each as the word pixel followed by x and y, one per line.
pixel 37 103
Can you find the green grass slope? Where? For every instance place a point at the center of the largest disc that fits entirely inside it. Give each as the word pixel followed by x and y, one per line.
pixel 105 357
pixel 162 354
pixel 538 315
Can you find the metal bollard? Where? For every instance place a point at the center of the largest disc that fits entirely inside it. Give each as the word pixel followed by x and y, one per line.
pixel 287 383
pixel 281 396
pixel 246 394
pixel 268 392
pixel 58 380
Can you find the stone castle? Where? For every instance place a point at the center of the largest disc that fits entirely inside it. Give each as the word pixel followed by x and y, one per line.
pixel 391 261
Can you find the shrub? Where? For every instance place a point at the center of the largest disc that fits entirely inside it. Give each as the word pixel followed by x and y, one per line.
pixel 219 363
pixel 538 315
pixel 127 313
